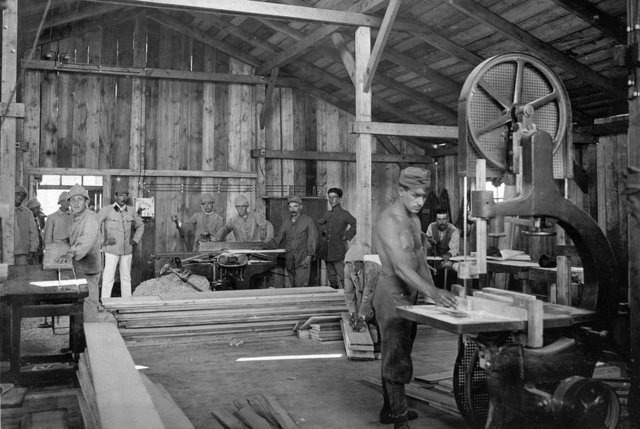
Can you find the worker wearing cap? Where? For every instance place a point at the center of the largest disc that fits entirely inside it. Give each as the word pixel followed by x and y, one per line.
pixel 298 236
pixel 405 274
pixel 122 230
pixel 25 234
pixel 38 216
pixel 246 226
pixel 84 251
pixel 337 226
pixel 204 224
pixel 58 224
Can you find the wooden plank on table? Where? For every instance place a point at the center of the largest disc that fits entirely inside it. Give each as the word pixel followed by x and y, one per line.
pixel 170 413
pixel 52 253
pixel 121 397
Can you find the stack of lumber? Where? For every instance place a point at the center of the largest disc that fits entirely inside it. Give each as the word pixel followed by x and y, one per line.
pixel 440 398
pixel 222 315
pixel 358 345
pixel 259 411
pixel 325 332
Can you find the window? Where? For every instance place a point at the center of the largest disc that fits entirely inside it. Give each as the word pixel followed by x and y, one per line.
pixel 50 187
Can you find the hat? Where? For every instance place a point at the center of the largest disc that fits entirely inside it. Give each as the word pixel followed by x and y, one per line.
pixel 121 188
pixel 336 191
pixel 21 189
pixel 355 253
pixel 206 198
pixel 33 203
pixel 63 197
pixel 414 177
pixel 294 199
pixel 77 190
pixel 241 200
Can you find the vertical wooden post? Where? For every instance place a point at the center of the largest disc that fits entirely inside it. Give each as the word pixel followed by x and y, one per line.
pixel 8 129
pixel 633 216
pixel 363 141
pixel 136 148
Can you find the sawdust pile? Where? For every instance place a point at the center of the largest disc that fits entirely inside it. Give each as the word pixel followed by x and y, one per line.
pixel 170 283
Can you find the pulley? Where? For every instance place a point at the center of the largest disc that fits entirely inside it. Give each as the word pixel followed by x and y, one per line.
pixel 585 403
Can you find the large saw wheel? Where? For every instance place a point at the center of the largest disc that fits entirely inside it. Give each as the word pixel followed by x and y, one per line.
pixel 497 90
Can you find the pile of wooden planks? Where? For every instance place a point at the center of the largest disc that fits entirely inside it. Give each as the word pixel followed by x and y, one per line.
pixel 222 315
pixel 325 332
pixel 358 345
pixel 259 411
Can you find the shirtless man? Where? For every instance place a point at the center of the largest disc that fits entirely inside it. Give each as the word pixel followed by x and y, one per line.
pixel 404 274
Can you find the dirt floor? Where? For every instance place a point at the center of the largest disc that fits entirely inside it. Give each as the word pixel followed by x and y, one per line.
pixel 318 393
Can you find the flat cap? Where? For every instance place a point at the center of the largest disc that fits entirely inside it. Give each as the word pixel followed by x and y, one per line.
pixel 33 203
pixel 77 191
pixel 206 198
pixel 294 199
pixel 63 196
pixel 414 177
pixel 121 188
pixel 336 191
pixel 241 200
pixel 21 189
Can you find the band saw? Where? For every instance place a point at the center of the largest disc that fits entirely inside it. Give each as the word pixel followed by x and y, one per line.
pixel 523 362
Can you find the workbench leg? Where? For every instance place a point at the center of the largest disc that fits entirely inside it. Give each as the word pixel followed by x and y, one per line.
pixel 76 332
pixel 16 318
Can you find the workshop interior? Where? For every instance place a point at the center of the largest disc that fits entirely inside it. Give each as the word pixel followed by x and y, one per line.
pixel 188 188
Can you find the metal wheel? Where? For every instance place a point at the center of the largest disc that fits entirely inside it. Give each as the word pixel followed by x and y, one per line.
pixel 586 403
pixel 500 87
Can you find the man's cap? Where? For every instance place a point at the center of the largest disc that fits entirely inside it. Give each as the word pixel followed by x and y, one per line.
pixel 241 200
pixel 336 191
pixel 121 188
pixel 355 253
pixel 207 198
pixel 294 199
pixel 33 203
pixel 414 177
pixel 21 189
pixel 77 190
pixel 63 196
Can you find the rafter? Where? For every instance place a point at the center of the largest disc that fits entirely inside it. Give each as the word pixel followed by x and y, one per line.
pixel 609 25
pixel 347 59
pixel 381 42
pixel 541 48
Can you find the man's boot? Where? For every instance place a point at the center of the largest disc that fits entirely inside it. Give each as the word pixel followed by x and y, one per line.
pixel 395 408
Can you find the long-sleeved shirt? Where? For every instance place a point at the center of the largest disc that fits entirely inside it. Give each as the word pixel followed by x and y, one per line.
pixel 359 288
pixel 337 226
pixel 248 228
pixel 117 223
pixel 298 236
pixel 447 241
pixel 202 222
pixel 25 238
pixel 57 228
pixel 85 243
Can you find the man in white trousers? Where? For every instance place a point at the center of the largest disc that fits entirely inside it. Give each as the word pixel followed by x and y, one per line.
pixel 122 229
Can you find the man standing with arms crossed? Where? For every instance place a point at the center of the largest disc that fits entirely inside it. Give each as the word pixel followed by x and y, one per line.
pixel 404 274
pixel 118 221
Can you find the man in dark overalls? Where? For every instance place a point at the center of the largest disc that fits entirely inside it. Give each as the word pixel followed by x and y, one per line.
pixel 404 274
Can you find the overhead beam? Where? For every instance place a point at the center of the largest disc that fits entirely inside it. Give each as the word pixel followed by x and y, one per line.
pixel 347 59
pixel 340 156
pixel 546 51
pixel 609 25
pixel 438 41
pixel 413 130
pixel 258 8
pixel 146 173
pixel 422 70
pixel 381 42
pixel 304 45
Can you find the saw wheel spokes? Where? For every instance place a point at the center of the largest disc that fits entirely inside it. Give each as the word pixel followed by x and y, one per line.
pixel 496 94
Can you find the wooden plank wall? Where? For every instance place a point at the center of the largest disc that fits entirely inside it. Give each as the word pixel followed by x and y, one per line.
pixel 120 122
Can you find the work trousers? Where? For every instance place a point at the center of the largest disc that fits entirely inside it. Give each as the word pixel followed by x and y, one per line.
pixel 397 336
pixel 299 276
pixel 91 307
pixel 335 274
pixel 112 260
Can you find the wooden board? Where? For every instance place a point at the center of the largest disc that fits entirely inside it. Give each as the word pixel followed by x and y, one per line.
pixel 52 253
pixel 50 419
pixel 358 345
pixel 13 398
pixel 169 411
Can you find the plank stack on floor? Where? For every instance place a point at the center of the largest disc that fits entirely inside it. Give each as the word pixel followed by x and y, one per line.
pixel 325 332
pixel 358 345
pixel 260 411
pixel 222 315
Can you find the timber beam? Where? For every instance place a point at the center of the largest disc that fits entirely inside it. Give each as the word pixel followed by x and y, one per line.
pixel 140 173
pixel 339 156
pixel 412 130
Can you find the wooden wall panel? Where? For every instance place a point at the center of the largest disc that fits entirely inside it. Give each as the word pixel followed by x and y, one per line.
pixel 288 135
pixel 273 141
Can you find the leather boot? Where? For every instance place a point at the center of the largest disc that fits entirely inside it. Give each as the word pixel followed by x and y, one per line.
pixel 395 408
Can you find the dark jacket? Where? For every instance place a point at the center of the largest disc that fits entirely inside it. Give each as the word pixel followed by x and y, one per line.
pixel 298 238
pixel 337 226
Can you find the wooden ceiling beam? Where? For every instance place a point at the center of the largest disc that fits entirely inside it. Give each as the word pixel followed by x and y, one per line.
pixel 408 130
pixel 347 59
pixel 609 25
pixel 258 8
pixel 438 41
pixel 381 43
pixel 307 43
pixel 541 48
